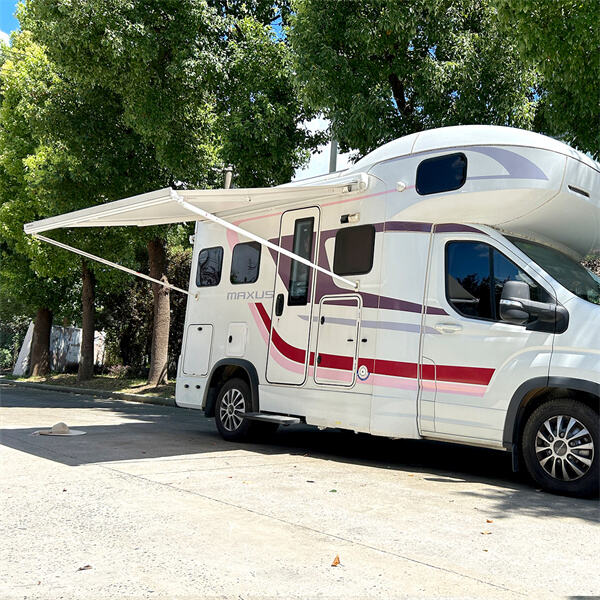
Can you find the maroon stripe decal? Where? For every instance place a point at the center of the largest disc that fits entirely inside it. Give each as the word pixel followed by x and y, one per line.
pixel 455 228
pixel 407 226
pixel 392 368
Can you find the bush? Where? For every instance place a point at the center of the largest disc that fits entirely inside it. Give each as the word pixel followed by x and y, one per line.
pixel 119 371
pixel 6 358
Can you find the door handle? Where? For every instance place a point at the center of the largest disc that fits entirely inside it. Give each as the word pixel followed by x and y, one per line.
pixel 279 305
pixel 447 327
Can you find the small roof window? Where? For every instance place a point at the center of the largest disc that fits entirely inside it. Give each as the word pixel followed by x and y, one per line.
pixel 441 174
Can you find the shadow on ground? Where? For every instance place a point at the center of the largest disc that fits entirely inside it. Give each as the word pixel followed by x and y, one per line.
pixel 150 431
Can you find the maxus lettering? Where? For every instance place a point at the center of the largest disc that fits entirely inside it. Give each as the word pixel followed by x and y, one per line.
pixel 256 295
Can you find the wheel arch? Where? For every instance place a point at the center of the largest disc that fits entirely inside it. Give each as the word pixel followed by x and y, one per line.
pixel 534 393
pixel 222 371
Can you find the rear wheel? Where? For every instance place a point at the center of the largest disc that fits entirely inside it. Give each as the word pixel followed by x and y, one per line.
pixel 233 401
pixel 560 447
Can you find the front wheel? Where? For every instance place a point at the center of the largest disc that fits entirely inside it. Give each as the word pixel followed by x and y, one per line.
pixel 560 448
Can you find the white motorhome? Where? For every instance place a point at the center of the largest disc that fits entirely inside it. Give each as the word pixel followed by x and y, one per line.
pixel 432 290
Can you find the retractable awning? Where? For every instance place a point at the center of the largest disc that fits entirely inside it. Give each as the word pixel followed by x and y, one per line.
pixel 178 206
pixel 163 206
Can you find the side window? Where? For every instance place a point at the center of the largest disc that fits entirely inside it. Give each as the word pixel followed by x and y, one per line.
pixel 299 273
pixel 471 267
pixel 354 248
pixel 441 174
pixel 245 263
pixel 468 275
pixel 210 263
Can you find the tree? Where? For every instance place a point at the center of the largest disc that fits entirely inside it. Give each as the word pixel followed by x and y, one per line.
pixel 66 147
pixel 201 83
pixel 381 69
pixel 561 38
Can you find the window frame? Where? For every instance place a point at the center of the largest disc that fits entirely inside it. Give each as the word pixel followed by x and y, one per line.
pixel 220 266
pixel 438 158
pixel 495 317
pixel 342 231
pixel 251 243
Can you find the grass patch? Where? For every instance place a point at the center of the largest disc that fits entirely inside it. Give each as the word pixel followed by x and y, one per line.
pixel 104 382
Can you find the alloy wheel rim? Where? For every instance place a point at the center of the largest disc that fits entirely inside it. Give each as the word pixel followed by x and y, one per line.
pixel 232 409
pixel 564 448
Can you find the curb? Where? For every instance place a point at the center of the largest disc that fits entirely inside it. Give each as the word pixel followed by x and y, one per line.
pixel 158 400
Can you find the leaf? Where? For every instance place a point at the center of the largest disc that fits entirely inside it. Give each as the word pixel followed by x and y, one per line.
pixel 333 490
pixel 336 561
pixel 489 521
pixel 486 533
pixel 85 568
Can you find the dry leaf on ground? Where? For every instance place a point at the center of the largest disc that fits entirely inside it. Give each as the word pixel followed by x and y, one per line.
pixel 336 561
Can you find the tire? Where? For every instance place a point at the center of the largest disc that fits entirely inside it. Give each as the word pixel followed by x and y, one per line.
pixel 234 399
pixel 560 447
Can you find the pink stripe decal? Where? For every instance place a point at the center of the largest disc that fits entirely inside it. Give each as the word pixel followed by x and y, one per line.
pixel 450 378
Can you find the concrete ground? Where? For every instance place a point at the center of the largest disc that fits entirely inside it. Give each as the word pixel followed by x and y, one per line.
pixel 159 506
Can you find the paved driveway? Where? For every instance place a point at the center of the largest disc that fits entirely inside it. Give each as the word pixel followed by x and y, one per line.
pixel 160 507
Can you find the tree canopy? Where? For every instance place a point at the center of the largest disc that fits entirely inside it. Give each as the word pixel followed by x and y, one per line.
pixel 562 40
pixel 204 83
pixel 381 69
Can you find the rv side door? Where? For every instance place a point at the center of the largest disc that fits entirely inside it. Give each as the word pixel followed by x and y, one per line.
pixel 293 294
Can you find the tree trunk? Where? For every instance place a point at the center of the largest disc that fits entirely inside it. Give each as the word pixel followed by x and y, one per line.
pixel 39 363
pixel 159 353
pixel 86 361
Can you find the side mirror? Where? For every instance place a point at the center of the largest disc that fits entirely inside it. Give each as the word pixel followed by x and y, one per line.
pixel 517 308
pixel 512 302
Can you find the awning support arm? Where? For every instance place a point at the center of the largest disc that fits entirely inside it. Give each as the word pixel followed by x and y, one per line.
pixel 261 241
pixel 110 263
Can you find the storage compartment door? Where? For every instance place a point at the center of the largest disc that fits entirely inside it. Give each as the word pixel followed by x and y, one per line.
pixel 197 349
pixel 337 340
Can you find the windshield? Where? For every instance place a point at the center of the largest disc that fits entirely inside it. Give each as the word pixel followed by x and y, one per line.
pixel 565 270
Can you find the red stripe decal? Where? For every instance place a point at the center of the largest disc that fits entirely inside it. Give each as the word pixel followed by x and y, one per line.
pixel 392 368
pixel 475 375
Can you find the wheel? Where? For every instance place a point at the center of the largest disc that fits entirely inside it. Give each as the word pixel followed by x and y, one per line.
pixel 233 401
pixel 560 447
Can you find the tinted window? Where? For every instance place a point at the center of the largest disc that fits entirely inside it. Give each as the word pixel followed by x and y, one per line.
pixel 210 262
pixel 354 250
pixel 245 263
pixel 470 269
pixel 300 273
pixel 441 174
pixel 468 273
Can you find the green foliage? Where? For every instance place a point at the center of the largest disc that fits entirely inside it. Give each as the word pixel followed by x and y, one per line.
pixel 561 38
pixel 381 69
pixel 13 328
pixel 203 83
pixel 260 114
pixel 126 317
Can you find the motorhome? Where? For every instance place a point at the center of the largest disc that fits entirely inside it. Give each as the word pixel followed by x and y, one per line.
pixel 433 290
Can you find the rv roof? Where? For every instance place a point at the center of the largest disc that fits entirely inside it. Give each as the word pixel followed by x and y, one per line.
pixel 460 136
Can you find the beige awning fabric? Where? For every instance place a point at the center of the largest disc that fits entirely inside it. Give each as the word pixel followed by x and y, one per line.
pixel 163 206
